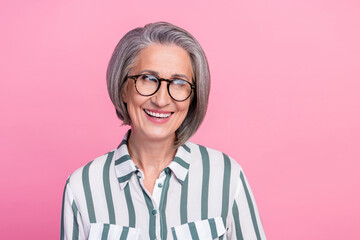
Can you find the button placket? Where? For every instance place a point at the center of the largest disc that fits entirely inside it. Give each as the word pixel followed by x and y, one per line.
pixel 154 212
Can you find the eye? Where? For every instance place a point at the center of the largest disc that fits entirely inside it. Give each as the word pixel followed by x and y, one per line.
pixel 149 78
pixel 178 82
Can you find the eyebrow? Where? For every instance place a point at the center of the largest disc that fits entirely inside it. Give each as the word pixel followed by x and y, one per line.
pixel 172 76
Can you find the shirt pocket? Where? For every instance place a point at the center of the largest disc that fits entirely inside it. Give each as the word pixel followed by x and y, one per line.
pixel 211 228
pixel 105 231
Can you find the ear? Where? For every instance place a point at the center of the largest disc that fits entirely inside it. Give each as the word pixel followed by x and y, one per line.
pixel 124 95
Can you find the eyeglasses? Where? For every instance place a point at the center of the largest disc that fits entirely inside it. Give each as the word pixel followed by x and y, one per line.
pixel 148 84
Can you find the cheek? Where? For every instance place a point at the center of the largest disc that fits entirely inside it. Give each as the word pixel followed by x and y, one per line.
pixel 130 96
pixel 134 104
pixel 184 108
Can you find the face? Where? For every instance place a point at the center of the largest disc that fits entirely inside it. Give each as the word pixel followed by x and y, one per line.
pixel 157 117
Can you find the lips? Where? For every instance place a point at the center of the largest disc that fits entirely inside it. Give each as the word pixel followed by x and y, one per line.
pixel 158 114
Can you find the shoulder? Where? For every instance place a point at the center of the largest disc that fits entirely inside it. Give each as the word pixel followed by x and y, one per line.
pixel 92 170
pixel 221 171
pixel 216 158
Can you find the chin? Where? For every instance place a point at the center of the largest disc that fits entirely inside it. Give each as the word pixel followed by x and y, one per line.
pixel 159 135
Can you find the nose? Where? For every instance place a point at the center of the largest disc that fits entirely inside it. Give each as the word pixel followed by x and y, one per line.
pixel 161 98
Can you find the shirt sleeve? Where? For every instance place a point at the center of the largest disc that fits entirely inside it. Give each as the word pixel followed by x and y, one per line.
pixel 244 220
pixel 71 223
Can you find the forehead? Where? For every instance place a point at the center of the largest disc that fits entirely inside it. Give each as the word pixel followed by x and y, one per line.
pixel 167 60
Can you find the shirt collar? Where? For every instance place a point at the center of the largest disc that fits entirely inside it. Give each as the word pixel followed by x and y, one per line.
pixel 181 163
pixel 125 167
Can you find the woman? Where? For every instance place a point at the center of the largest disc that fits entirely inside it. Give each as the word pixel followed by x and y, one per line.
pixel 156 184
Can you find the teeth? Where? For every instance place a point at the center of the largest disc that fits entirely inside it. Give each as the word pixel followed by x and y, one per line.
pixel 158 115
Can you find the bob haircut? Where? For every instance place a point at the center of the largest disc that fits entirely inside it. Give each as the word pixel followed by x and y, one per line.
pixel 125 56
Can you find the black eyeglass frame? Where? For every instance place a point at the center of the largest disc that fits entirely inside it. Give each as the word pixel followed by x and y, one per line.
pixel 135 77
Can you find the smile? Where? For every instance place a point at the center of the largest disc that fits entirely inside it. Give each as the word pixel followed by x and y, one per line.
pixel 157 114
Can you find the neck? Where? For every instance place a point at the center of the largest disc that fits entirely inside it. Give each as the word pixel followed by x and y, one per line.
pixel 149 155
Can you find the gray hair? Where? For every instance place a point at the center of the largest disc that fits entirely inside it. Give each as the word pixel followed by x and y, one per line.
pixel 124 57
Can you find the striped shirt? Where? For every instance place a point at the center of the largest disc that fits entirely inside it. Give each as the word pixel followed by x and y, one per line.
pixel 202 194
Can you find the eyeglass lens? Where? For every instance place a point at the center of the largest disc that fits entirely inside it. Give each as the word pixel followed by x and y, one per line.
pixel 147 85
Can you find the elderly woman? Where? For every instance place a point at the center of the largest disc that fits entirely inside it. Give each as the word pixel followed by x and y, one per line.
pixel 156 184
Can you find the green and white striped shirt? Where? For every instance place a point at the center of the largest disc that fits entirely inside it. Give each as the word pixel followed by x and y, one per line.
pixel 202 194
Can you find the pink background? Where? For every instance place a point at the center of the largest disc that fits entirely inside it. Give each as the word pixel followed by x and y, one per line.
pixel 284 103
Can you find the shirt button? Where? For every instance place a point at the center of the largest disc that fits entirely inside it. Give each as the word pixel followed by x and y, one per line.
pixel 153 212
pixel 160 185
pixel 167 170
